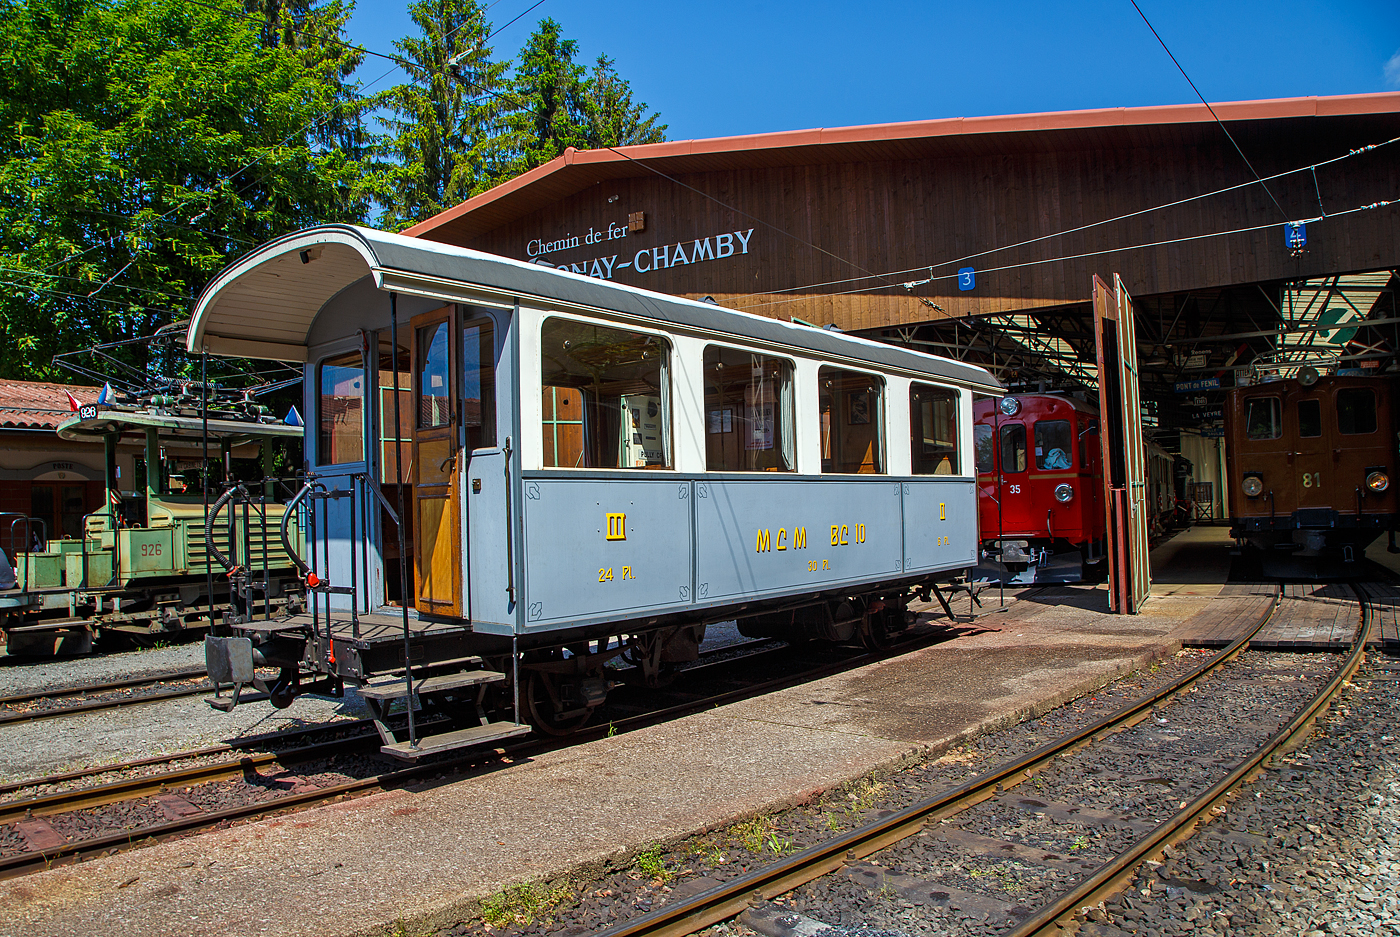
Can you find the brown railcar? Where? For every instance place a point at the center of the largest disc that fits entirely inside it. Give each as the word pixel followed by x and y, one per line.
pixel 1311 469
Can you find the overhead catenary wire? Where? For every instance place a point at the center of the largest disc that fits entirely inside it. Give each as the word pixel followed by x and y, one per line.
pixel 1383 203
pixel 20 271
pixel 904 272
pixel 399 63
pixel 748 215
pixel 1223 128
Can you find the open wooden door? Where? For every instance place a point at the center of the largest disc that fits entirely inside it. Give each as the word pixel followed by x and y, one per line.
pixel 437 526
pixel 1124 469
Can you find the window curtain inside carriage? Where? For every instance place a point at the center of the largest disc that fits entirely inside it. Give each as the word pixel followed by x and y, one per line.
pixel 665 396
pixel 787 413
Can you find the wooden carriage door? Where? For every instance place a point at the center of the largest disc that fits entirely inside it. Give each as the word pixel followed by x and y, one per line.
pixel 1120 434
pixel 437 526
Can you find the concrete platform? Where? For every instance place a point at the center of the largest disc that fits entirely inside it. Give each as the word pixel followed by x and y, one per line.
pixel 424 855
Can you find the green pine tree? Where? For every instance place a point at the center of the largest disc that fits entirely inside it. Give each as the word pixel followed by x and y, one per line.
pixel 316 29
pixel 613 119
pixel 442 122
pixel 549 108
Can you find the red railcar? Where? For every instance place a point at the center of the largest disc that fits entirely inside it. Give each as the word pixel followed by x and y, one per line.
pixel 1040 488
pixel 1311 469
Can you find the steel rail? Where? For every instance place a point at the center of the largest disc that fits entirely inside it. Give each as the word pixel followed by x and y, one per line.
pixel 1114 876
pixel 24 863
pixel 172 757
pixel 35 715
pixel 83 689
pixel 729 899
pixel 143 785
pixel 149 784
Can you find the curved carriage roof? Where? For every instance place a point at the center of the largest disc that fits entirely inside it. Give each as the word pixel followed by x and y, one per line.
pixel 263 305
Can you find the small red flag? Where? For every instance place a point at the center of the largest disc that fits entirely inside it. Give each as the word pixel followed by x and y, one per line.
pixel 72 401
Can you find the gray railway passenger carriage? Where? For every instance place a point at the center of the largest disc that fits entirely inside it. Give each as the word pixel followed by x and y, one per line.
pixel 586 475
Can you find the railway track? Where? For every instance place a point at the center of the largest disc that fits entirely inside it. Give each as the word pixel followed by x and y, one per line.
pixel 231 762
pixel 846 852
pixel 46 704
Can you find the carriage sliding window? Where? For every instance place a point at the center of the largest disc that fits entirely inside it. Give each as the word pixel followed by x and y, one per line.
pixel 395 445
pixel 476 374
pixel 851 408
pixel 1309 418
pixel 933 430
pixel 1263 418
pixel 479 383
pixel 1013 447
pixel 340 410
pixel 1356 411
pixel 606 396
pixel 1054 443
pixel 982 445
pixel 748 412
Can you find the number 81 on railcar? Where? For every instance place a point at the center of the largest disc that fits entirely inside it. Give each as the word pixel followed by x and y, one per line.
pixel 1311 464
pixel 587 472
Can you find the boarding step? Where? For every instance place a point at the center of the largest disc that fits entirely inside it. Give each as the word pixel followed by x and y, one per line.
pixel 385 690
pixel 460 738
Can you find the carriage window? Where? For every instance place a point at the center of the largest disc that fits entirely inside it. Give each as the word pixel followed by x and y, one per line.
pixel 933 433
pixel 434 375
pixel 607 397
pixel 1356 410
pixel 1088 442
pixel 852 414
pixel 982 444
pixel 1013 447
pixel 1054 443
pixel 1309 418
pixel 390 464
pixel 748 412
pixel 1262 418
pixel 340 410
pixel 479 383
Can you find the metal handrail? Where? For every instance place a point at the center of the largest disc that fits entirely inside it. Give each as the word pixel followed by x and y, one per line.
pixel 209 528
pixel 28 522
pixel 286 519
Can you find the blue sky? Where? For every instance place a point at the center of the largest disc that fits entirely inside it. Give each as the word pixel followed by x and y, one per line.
pixel 723 68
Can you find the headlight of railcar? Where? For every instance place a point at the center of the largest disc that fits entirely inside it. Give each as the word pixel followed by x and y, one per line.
pixel 1252 485
pixel 1378 481
pixel 1009 406
pixel 1064 493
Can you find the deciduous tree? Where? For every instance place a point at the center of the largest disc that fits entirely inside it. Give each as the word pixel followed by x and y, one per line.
pixel 143 144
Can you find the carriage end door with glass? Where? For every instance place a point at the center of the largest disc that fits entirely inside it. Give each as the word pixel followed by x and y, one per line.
pixel 437 453
pixel 454 393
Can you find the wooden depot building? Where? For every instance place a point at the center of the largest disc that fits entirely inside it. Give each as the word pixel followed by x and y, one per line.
pixel 980 237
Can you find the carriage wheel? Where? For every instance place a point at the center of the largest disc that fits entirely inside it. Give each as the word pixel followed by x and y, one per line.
pixel 540 707
pixel 876 633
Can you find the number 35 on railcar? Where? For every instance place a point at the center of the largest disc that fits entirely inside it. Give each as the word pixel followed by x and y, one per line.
pixel 588 472
pixel 1040 475
pixel 1312 464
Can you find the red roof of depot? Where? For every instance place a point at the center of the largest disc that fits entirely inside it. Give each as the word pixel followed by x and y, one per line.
pixel 39 404
pixel 575 170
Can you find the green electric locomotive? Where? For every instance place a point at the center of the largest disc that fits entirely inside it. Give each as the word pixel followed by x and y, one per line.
pixel 142 564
